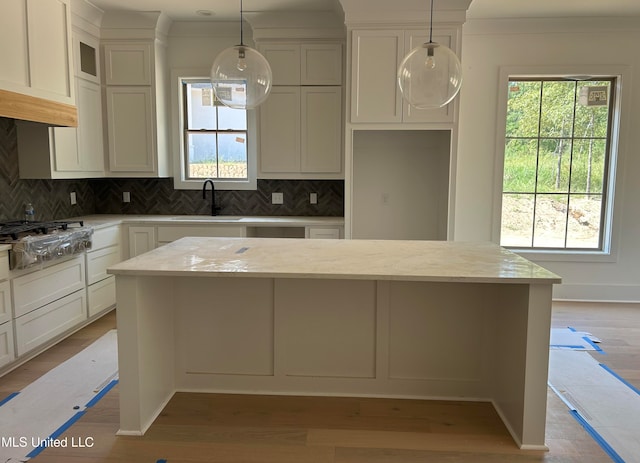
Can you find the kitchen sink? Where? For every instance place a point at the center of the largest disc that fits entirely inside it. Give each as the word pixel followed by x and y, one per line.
pixel 206 218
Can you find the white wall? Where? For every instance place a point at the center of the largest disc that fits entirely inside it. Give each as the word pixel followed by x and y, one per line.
pixel 552 44
pixel 400 184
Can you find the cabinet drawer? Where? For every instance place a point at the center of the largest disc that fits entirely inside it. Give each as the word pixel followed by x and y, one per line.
pixel 323 233
pixel 5 302
pixel 98 261
pixel 42 325
pixel 105 237
pixel 101 295
pixel 7 354
pixel 168 234
pixel 4 265
pixel 43 286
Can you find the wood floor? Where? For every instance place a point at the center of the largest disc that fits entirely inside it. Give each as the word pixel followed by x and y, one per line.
pixel 277 429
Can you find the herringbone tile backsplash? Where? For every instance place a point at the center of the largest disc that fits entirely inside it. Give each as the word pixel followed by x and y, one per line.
pixel 50 198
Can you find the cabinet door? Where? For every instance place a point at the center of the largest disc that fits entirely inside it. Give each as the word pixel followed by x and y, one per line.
pixel 141 240
pixel 376 55
pixel 7 353
pixel 321 129
pixel 128 64
pixel 14 55
pixel 284 60
pixel 90 139
pixel 280 131
pixel 130 129
pixel 85 57
pixel 5 302
pixel 65 149
pixel 49 31
pixel 411 114
pixel 321 64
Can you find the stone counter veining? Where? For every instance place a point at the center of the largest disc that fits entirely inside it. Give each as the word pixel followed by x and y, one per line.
pixel 441 261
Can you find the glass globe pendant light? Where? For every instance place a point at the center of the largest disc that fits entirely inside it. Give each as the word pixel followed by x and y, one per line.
pixel 430 76
pixel 241 77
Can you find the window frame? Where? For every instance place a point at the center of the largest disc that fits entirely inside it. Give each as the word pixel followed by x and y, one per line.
pixel 618 117
pixel 180 180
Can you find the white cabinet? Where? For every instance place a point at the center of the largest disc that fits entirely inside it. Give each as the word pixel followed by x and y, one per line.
pixel 41 287
pixel 69 152
pixel 41 325
pixel 5 302
pixel 36 56
pixel 301 133
pixel 7 352
pixel 105 252
pixel 137 119
pixel 301 121
pixel 48 302
pixel 375 95
pixel 141 240
pixel 323 232
pixel 304 64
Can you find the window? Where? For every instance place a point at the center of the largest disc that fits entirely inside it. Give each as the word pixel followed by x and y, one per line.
pixel 214 136
pixel 556 163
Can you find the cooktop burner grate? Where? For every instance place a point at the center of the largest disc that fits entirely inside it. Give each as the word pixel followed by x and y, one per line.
pixel 19 228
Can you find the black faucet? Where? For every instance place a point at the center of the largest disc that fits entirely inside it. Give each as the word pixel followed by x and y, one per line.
pixel 214 209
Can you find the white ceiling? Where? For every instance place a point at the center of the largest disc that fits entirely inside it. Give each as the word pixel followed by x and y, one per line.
pixel 224 10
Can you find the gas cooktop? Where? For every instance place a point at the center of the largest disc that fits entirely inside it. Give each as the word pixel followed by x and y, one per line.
pixel 17 228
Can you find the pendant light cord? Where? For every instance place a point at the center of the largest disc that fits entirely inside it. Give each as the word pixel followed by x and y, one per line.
pixel 241 26
pixel 430 23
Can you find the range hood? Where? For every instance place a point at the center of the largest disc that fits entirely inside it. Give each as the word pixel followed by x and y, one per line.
pixel 28 108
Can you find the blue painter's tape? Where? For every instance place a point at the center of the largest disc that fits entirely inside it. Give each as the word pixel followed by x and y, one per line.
pixel 621 379
pixel 568 346
pixel 161 461
pixel 571 328
pixel 57 433
pixel 8 398
pixel 597 437
pixel 102 393
pixel 595 346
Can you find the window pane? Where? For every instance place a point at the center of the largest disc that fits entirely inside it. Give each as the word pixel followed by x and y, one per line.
pixel 553 165
pixel 557 109
pixel 592 114
pixel 231 119
pixel 517 220
pixel 201 111
pixel 585 214
pixel 201 155
pixel 232 155
pixel 521 120
pixel 550 221
pixel 587 172
pixel 520 165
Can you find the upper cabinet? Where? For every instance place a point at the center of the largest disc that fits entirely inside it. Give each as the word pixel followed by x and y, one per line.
pixel 135 72
pixel 36 56
pixel 375 57
pixel 37 61
pixel 301 121
pixel 69 152
pixel 305 64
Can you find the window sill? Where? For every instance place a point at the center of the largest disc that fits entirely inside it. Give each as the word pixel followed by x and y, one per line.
pixel 250 184
pixel 562 255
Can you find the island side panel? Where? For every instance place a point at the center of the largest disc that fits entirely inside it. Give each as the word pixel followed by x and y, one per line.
pixel 521 346
pixel 145 320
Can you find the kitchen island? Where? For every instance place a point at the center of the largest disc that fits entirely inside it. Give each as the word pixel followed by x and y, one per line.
pixel 415 319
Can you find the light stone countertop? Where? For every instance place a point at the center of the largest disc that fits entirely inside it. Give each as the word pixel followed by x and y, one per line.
pixel 104 220
pixel 442 261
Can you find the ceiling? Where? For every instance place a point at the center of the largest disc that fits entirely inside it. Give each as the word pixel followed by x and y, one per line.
pixel 225 10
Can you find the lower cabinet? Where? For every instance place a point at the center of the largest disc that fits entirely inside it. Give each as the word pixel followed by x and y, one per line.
pixel 5 302
pixel 331 233
pixel 7 354
pixel 141 240
pixel 101 287
pixel 41 325
pixel 101 296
